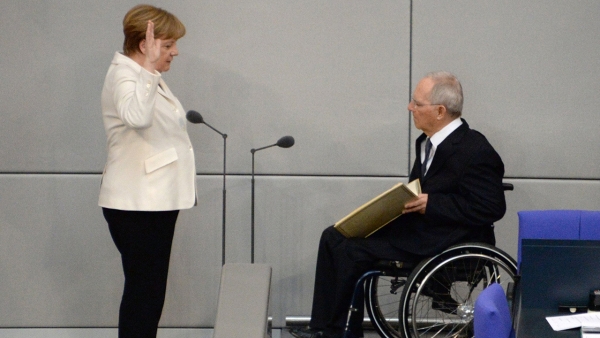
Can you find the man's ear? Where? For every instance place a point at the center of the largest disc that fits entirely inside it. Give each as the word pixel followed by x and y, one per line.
pixel 441 112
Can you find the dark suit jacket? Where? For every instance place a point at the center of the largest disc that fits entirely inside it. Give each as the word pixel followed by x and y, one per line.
pixel 465 196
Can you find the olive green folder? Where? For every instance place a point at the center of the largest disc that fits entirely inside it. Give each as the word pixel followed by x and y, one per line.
pixel 381 210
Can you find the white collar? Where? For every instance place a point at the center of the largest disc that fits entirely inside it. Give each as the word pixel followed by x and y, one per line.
pixel 441 135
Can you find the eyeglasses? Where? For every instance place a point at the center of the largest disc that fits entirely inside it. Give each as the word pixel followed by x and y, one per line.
pixel 420 105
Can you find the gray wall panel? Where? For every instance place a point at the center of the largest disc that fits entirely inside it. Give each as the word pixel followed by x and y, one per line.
pixel 56 55
pixel 64 270
pixel 195 269
pixel 330 73
pixel 57 252
pixel 530 74
pixel 291 214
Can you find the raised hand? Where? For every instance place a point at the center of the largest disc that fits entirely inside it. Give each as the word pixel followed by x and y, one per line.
pixel 152 48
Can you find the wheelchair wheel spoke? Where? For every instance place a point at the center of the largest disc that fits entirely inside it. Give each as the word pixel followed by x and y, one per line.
pixel 382 298
pixel 439 297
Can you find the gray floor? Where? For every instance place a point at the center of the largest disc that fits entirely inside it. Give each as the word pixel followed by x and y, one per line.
pixel 98 333
pixel 112 333
pixel 368 334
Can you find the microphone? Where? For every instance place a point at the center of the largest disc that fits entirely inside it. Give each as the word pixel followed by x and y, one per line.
pixel 284 142
pixel 194 117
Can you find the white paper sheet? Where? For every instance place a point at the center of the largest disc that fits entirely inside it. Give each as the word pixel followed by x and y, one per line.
pixel 560 323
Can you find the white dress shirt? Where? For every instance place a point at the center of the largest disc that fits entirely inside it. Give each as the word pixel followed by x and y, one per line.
pixel 438 138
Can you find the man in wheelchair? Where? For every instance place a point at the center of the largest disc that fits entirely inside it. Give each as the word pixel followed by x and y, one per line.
pixel 462 196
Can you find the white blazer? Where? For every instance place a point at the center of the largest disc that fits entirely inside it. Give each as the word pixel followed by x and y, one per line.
pixel 150 164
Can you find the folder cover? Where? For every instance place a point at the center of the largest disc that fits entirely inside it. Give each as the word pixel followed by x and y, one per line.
pixel 375 214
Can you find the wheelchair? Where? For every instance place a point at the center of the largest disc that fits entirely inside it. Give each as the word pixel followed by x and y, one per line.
pixel 434 297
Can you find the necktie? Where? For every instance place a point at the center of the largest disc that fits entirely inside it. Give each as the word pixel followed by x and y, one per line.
pixel 428 146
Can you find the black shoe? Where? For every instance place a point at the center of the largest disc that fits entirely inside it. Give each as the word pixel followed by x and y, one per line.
pixel 307 332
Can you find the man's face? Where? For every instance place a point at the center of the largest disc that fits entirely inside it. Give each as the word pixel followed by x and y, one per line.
pixel 425 114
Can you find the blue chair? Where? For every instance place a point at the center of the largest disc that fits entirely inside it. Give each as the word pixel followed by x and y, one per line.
pixel 548 224
pixel 492 315
pixel 558 224
pixel 589 229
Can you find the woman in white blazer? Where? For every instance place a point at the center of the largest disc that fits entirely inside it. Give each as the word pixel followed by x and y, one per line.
pixel 150 172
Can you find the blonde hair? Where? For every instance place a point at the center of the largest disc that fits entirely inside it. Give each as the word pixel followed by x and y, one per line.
pixel 166 26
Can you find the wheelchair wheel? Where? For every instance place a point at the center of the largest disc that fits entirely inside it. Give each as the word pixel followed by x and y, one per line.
pixel 382 296
pixel 438 299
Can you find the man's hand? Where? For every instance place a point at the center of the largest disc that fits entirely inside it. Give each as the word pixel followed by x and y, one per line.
pixel 419 205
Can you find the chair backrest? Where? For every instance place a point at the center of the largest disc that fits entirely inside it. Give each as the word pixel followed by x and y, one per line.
pixel 558 224
pixel 590 225
pixel 492 315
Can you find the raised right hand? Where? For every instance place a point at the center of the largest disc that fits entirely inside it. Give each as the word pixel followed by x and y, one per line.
pixel 151 48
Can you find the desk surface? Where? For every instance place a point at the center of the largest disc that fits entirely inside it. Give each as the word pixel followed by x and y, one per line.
pixel 554 273
pixel 532 323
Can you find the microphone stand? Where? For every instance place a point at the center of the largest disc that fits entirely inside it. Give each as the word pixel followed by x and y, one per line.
pixel 224 190
pixel 252 205
pixel 252 213
pixel 284 142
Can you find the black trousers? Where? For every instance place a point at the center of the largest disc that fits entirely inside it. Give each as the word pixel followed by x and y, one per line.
pixel 144 240
pixel 340 263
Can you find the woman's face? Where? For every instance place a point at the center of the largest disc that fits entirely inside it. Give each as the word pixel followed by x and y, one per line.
pixel 168 50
